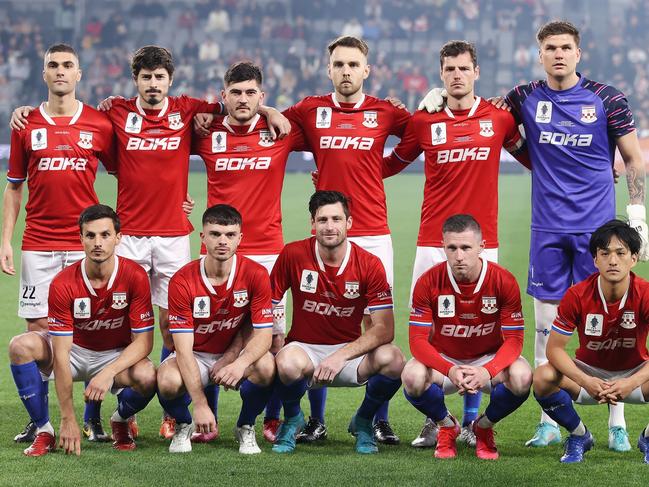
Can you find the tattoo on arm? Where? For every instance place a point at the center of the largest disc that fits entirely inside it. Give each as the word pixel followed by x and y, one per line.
pixel 636 185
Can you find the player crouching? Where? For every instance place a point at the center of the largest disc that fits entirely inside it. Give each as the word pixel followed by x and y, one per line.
pixel 212 300
pixel 610 312
pixel 476 340
pixel 332 281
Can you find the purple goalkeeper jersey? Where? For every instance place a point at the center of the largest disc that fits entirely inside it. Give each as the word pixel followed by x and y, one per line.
pixel 571 140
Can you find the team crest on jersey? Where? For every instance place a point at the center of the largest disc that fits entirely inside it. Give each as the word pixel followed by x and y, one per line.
pixel 81 308
pixel 309 281
pixel 486 128
pixel 278 312
pixel 351 290
pixel 594 325
pixel 119 301
pixel 265 139
pixel 39 139
pixel 175 122
pixel 438 133
pixel 489 305
pixel 201 307
pixel 446 306
pixel 219 142
pixel 588 114
pixel 628 320
pixel 133 123
pixel 323 118
pixel 85 140
pixel 543 112
pixel 240 298
pixel 371 119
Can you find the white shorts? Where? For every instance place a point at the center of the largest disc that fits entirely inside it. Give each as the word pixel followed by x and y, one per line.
pixel 161 257
pixel 205 362
pixel 347 377
pixel 37 270
pixel 450 388
pixel 381 246
pixel 585 398
pixel 427 257
pixel 279 311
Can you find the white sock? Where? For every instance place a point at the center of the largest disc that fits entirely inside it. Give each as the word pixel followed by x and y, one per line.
pixel 117 418
pixel 616 416
pixel 580 430
pixel 446 422
pixel 547 419
pixel 544 314
pixel 47 428
pixel 646 431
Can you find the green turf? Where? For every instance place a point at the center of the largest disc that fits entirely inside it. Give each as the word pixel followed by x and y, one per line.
pixel 334 461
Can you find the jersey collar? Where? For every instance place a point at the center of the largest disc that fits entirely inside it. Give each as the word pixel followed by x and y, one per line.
pixel 474 107
pixel 49 119
pixel 86 281
pixel 478 285
pixel 342 267
pixel 163 110
pixel 206 281
pixel 601 295
pixel 357 105
pixel 251 127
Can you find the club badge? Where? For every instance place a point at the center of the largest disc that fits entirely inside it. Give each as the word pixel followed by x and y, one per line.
pixel 489 305
pixel 588 114
pixel 240 298
pixel 486 128
pixel 85 140
pixel 351 290
pixel 119 301
pixel 371 119
pixel 175 122
pixel 265 139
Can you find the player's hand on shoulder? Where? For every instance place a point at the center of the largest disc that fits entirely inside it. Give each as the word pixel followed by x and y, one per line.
pixel 202 123
pixel 500 103
pixel 7 260
pixel 19 117
pixel 204 420
pixel 638 219
pixel 70 436
pixel 107 103
pixel 188 205
pixel 396 102
pixel 278 125
pixel 98 386
pixel 434 100
pixel 315 175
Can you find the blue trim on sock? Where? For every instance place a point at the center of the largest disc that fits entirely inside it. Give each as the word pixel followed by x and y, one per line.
pixel 471 407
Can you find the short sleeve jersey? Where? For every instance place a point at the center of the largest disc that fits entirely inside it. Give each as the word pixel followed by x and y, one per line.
pixel 100 319
pixel 214 314
pixel 328 302
pixel 58 156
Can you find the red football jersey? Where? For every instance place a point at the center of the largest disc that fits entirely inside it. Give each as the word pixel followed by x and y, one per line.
pixel 467 320
pixel 58 157
pixel 612 336
pixel 462 157
pixel 214 314
pixel 328 302
pixel 153 148
pixel 347 142
pixel 100 319
pixel 245 169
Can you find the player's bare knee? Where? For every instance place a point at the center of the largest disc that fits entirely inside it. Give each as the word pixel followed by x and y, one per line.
pixel 144 377
pixel 520 380
pixel 545 380
pixel 263 371
pixel 413 377
pixel 169 381
pixel 289 366
pixel 23 348
pixel 390 361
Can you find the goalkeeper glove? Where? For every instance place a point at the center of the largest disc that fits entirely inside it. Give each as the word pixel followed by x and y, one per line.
pixel 434 100
pixel 638 219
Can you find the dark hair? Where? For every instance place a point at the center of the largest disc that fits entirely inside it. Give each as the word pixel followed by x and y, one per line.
pixel 151 58
pixel 461 223
pixel 601 238
pixel 348 41
pixel 61 47
pixel 222 215
pixel 243 71
pixel 97 212
pixel 322 198
pixel 455 48
pixel 557 28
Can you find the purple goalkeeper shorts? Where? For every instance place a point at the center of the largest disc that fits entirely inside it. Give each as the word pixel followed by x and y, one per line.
pixel 557 261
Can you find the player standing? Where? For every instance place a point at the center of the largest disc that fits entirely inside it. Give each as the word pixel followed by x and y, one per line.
pixel 610 312
pixel 466 334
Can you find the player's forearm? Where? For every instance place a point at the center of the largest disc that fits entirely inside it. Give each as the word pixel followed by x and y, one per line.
pixel 11 202
pixel 560 360
pixel 635 180
pixel 379 334
pixel 191 377
pixel 258 345
pixel 641 376
pixel 426 353
pixel 63 384
pixel 234 349
pixel 392 165
pixel 506 355
pixel 137 350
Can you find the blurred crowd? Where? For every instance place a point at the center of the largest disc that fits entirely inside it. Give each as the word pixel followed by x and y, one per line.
pixel 288 38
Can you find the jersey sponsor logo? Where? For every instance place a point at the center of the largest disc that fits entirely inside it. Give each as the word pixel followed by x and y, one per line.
pixel 341 142
pixel 486 128
pixel 240 298
pixel 162 143
pixel 265 139
pixel 573 140
pixel 628 320
pixel 62 163
pixel 119 301
pixel 327 309
pixel 517 315
pixel 219 142
pixel 242 163
pixel 446 306
pixel 146 316
pixel 96 325
pixel 461 155
pixel 309 281
pixel 371 119
pixel 543 112
pixel 174 120
pixel 39 139
pixel 611 344
pixel 85 140
pixel 351 290
pixel 218 325
pixel 133 123
pixel 594 325
pixel 81 308
pixel 438 133
pixel 489 305
pixel 201 307
pixel 588 114
pixel 323 118
pixel 467 331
